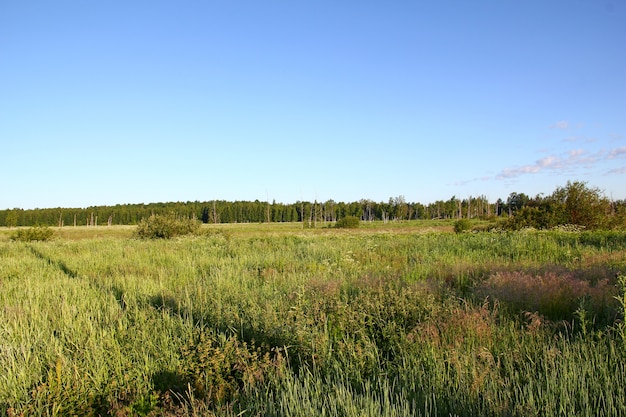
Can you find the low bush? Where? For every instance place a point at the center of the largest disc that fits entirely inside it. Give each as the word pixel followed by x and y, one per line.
pixel 36 233
pixel 348 222
pixel 462 225
pixel 165 227
pixel 219 368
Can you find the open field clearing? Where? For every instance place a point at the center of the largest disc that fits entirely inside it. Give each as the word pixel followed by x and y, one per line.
pixel 274 320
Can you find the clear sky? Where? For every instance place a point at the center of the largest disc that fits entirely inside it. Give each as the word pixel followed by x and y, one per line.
pixel 115 102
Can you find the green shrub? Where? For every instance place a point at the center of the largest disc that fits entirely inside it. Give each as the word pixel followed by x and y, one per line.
pixel 575 205
pixel 492 226
pixel 462 225
pixel 165 227
pixel 348 222
pixel 219 368
pixel 36 233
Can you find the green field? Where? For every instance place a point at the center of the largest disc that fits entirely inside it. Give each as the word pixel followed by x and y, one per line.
pixel 396 319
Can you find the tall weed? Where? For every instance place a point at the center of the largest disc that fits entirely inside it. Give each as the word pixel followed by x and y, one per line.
pixel 288 321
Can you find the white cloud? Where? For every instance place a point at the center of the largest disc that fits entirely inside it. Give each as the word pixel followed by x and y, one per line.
pixel 547 162
pixel 566 162
pixel 516 172
pixel 569 160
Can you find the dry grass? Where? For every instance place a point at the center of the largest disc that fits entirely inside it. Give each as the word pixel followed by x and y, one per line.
pixel 556 295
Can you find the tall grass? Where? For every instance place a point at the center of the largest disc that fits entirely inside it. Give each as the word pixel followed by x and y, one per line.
pixel 320 322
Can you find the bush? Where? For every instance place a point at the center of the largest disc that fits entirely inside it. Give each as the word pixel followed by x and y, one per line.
pixel 462 225
pixel 348 222
pixel 165 227
pixel 36 233
pixel 218 368
pixel 575 204
pixel 492 226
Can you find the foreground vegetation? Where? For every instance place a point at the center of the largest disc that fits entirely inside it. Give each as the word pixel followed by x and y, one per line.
pixel 275 320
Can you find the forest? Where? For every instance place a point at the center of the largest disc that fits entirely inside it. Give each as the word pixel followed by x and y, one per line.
pixel 312 213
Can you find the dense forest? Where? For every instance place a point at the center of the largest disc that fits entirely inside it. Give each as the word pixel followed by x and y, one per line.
pixel 220 211
pixel 539 210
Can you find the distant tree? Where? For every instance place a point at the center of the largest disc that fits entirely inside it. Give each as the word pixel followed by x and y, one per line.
pixel 500 205
pixel 453 208
pixel 575 204
pixel 400 209
pixel 12 218
pixel 330 213
pixel 581 205
pixel 516 202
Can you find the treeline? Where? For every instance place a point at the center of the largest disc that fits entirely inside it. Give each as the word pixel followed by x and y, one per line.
pixel 220 211
pixel 312 213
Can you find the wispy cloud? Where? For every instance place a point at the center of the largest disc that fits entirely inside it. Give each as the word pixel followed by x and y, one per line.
pixel 564 124
pixel 621 170
pixel 574 158
pixel 465 182
pixel 579 139
pixel 564 162
pixel 561 124
pixel 617 153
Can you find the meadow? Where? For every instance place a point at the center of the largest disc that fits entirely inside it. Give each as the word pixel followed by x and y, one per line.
pixel 395 319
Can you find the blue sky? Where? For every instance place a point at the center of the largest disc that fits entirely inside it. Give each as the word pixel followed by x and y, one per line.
pixel 115 102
